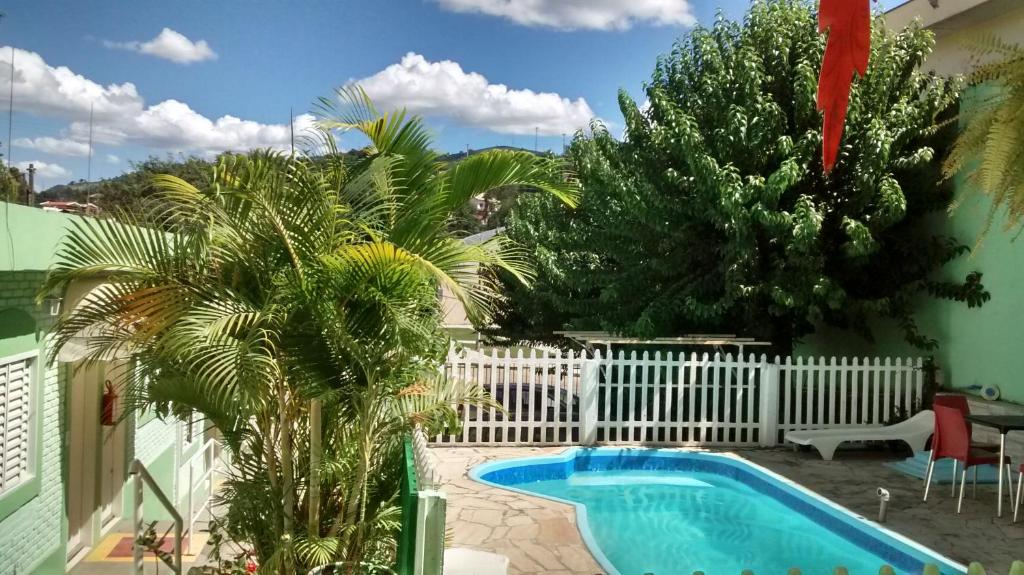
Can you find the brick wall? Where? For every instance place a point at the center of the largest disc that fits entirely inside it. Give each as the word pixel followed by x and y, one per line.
pixel 33 532
pixel 153 438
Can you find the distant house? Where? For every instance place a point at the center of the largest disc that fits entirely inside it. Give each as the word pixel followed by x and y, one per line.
pixel 68 207
pixel 455 320
pixel 483 207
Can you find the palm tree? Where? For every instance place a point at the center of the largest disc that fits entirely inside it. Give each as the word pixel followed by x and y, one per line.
pixel 292 304
pixel 990 149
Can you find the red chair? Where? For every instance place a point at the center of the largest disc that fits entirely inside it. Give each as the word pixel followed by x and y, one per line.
pixel 956 444
pixel 958 402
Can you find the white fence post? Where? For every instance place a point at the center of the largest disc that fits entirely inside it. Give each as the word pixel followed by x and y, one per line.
pixel 769 416
pixel 431 507
pixel 590 375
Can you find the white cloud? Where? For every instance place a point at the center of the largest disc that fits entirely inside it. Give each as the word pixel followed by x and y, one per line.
pixel 56 146
pixel 112 159
pixel 577 14
pixel 169 45
pixel 444 89
pixel 46 170
pixel 173 125
pixel 57 91
pixel 121 116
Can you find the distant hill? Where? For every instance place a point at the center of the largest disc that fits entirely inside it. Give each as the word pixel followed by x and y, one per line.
pixel 71 192
pixel 456 156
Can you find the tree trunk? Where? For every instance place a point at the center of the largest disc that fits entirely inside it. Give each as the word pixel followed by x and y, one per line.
pixel 315 412
pixel 287 475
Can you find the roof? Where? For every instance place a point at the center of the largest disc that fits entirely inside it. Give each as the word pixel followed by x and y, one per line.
pixel 68 206
pixel 608 338
pixel 482 236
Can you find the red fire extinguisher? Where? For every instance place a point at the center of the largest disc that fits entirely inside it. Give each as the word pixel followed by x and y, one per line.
pixel 109 403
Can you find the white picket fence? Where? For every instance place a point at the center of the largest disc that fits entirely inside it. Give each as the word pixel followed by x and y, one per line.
pixel 816 394
pixel 561 398
pixel 538 392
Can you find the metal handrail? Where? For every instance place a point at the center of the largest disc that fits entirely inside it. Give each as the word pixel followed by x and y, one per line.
pixel 206 476
pixel 141 477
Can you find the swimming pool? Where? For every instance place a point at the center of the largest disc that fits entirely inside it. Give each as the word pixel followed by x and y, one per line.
pixel 668 512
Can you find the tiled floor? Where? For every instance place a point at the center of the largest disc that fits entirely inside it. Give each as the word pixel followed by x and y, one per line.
pixel 537 535
pixel 540 536
pixel 113 554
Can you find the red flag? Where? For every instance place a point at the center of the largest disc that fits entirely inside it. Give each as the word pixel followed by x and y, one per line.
pixel 849 42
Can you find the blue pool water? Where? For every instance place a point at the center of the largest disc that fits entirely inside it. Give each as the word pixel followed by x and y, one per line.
pixel 669 512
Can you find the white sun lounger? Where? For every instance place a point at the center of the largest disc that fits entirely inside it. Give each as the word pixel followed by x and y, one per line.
pixel 461 561
pixel 915 431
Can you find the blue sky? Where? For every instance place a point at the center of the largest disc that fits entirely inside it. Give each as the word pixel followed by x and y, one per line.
pixel 196 76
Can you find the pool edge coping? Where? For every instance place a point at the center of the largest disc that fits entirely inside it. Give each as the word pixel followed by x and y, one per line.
pixel 583 526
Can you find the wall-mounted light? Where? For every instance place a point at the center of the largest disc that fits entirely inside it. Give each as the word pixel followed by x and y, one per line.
pixel 52 305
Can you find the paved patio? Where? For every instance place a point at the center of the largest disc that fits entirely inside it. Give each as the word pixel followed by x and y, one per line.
pixel 540 536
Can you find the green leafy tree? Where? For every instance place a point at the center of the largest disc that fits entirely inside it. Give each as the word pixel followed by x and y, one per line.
pixel 13 184
pixel 292 304
pixel 990 149
pixel 129 191
pixel 713 213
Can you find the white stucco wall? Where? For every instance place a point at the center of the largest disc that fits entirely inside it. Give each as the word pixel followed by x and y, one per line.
pixel 956 21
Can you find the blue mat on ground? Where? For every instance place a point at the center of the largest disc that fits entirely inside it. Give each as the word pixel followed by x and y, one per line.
pixel 917 466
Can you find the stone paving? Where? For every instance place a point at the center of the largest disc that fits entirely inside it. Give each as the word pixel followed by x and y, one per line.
pixel 540 536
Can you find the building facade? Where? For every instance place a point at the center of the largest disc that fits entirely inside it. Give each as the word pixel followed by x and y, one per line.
pixel 65 471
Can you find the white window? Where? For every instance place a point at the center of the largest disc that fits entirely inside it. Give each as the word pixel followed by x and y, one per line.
pixel 16 420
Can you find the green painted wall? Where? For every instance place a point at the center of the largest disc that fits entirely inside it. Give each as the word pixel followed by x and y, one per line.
pixel 978 346
pixel 29 236
pixel 154 443
pixel 162 470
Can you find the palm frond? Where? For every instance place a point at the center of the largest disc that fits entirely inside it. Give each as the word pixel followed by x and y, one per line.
pixel 987 153
pixel 494 169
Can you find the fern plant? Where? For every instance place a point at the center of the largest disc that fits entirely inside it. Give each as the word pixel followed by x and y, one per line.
pixel 989 151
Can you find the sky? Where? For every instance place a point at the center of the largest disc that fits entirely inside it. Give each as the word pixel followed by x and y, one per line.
pixel 200 76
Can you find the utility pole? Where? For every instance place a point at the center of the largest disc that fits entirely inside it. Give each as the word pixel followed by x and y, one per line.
pixel 88 172
pixel 291 127
pixel 563 143
pixel 31 192
pixel 10 114
pixel 536 133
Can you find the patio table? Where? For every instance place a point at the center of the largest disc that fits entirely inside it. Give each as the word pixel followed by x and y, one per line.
pixel 1003 424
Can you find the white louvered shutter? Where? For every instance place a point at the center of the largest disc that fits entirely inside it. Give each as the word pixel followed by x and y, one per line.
pixel 15 416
